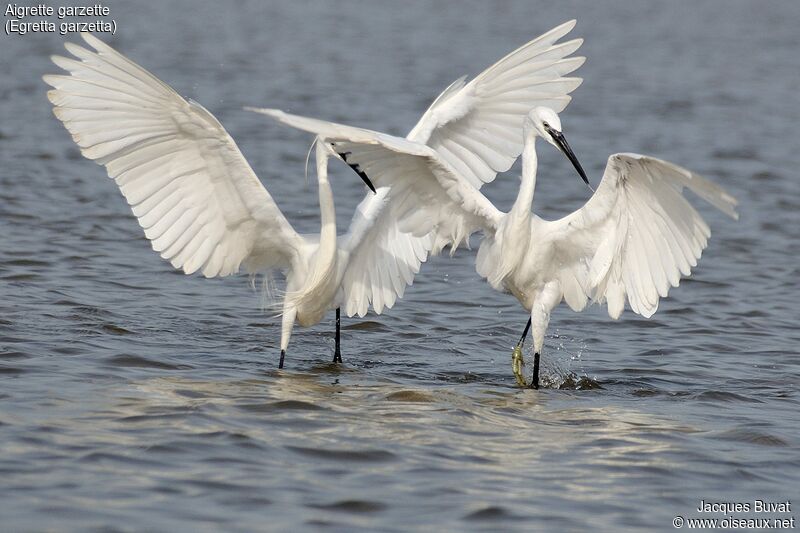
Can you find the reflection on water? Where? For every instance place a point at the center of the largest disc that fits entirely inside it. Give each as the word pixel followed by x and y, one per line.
pixel 453 431
pixel 135 397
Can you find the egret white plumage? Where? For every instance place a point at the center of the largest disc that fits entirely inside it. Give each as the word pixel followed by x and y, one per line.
pixel 635 237
pixel 203 208
pixel 198 201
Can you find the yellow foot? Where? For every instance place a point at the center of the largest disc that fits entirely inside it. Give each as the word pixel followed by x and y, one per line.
pixel 517 365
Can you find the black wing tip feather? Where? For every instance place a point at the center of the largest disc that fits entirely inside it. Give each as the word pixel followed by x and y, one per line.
pixel 357 170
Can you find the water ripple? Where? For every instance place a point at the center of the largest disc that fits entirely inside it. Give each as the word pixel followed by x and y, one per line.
pixel 133 397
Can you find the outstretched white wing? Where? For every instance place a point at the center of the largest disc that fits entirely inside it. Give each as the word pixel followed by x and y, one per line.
pixel 428 195
pixel 635 237
pixel 477 127
pixel 192 191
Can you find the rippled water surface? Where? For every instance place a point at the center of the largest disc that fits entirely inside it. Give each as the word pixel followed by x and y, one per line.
pixel 133 397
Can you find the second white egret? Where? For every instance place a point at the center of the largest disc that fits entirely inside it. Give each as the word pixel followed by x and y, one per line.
pixel 634 238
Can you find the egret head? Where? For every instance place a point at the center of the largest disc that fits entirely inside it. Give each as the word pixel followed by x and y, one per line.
pixel 541 121
pixel 544 122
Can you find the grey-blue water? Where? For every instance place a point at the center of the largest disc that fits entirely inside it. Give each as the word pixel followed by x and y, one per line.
pixel 135 398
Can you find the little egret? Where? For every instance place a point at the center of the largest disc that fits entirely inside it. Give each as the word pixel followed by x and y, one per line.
pixel 635 236
pixel 203 208
pixel 193 193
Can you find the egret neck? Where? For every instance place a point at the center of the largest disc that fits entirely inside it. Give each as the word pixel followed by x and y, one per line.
pixel 521 210
pixel 321 283
pixel 515 233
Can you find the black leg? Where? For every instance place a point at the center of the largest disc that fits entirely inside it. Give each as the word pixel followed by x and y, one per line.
pixel 535 380
pixel 524 333
pixel 337 353
pixel 283 354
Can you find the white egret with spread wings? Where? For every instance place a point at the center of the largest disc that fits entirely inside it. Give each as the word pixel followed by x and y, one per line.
pixel 204 209
pixel 634 238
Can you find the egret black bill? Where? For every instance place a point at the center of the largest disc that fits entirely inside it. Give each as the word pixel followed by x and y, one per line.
pixel 563 145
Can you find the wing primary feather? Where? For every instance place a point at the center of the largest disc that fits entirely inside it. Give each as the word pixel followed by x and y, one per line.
pixel 188 185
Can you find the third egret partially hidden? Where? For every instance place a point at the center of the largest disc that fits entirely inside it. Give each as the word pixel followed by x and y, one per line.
pixel 635 236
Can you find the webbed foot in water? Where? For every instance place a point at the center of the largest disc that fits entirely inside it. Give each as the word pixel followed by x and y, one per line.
pixel 518 365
